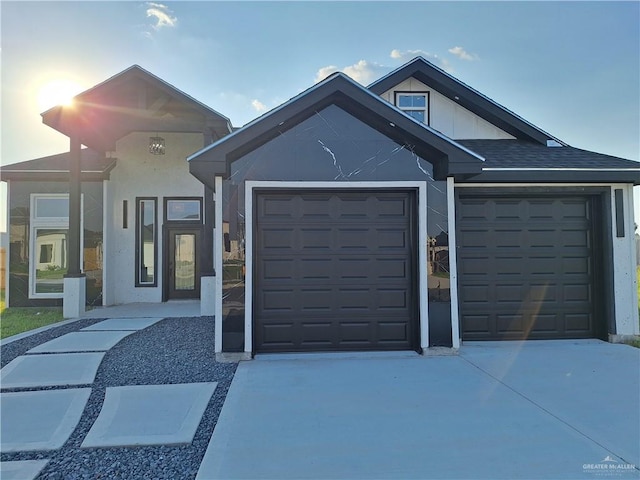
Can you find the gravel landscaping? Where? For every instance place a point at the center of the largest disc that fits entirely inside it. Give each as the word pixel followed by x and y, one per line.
pixel 175 350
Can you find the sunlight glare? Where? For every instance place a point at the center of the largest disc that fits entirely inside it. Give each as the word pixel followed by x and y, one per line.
pixel 58 92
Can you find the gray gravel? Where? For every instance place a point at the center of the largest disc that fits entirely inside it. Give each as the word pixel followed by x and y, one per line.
pixel 175 350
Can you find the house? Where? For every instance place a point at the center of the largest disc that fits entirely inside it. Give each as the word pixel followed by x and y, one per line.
pixel 412 213
pixel 142 215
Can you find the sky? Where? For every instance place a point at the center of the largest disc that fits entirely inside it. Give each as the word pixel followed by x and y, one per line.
pixel 572 69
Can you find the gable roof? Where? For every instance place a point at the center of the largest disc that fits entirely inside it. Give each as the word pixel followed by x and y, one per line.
pixel 519 161
pixel 448 157
pixel 133 100
pixel 465 96
pixel 93 165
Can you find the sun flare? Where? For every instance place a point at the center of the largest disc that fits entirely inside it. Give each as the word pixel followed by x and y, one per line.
pixel 57 92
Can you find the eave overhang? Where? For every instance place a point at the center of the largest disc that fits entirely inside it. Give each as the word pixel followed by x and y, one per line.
pixel 447 157
pixel 55 168
pixel 133 100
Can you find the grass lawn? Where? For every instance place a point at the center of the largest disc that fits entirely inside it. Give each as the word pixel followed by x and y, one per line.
pixel 21 319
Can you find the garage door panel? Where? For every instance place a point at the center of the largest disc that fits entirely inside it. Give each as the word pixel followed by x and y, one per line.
pixel 277 238
pixel 574 238
pixel 277 333
pixel 576 265
pixel 277 207
pixel 480 325
pixel 278 268
pixel 314 207
pixel 541 209
pixel 578 323
pixel 276 300
pixel 318 238
pixel 577 293
pixel 390 208
pixel 507 210
pixel 315 299
pixel 540 288
pixel 319 269
pixel 344 281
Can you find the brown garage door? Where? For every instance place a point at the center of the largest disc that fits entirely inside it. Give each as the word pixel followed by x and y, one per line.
pixel 334 271
pixel 526 267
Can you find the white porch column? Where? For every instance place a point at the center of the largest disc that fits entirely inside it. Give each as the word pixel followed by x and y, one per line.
pixel 75 294
pixel 453 263
pixel 217 263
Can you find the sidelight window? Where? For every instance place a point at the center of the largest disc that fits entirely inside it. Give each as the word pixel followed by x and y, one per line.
pixel 146 242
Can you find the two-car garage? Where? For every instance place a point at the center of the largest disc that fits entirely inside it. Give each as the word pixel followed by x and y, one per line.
pixel 338 270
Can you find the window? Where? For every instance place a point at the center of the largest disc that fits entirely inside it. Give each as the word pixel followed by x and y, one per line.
pixel 146 242
pixel 183 209
pixel 415 104
pixel 48 252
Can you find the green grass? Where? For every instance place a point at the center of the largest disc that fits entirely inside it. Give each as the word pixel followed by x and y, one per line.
pixel 16 320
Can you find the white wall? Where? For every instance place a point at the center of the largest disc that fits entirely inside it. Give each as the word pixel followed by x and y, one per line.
pixel 141 174
pixel 625 283
pixel 448 117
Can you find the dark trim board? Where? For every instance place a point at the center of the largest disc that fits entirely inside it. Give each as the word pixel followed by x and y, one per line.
pixel 547 244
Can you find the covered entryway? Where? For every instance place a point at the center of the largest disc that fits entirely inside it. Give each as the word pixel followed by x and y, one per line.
pixel 528 266
pixel 334 270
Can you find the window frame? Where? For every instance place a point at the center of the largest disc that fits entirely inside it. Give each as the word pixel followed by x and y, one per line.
pixel 138 257
pixel 197 221
pixel 48 223
pixel 426 109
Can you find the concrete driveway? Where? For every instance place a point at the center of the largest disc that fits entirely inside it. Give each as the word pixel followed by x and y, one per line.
pixel 556 409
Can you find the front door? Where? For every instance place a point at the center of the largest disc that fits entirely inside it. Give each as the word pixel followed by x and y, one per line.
pixel 183 269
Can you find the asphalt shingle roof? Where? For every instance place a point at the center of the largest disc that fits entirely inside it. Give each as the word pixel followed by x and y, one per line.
pixel 522 154
pixel 52 166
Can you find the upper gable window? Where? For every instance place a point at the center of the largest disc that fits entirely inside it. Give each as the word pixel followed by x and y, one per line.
pixel 415 104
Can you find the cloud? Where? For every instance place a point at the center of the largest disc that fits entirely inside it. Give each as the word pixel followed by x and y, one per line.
pixel 161 14
pixel 362 71
pixel 258 105
pixel 462 54
pixel 324 72
pixel 407 55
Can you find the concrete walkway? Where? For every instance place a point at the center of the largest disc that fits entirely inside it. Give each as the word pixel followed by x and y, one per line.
pixel 43 419
pixel 174 308
pixel 562 409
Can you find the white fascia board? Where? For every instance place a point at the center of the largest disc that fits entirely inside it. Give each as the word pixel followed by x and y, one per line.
pixel 559 169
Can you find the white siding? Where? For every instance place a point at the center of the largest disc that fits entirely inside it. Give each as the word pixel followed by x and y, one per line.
pixel 449 118
pixel 140 174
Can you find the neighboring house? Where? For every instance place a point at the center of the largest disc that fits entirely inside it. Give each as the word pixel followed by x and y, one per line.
pixel 415 212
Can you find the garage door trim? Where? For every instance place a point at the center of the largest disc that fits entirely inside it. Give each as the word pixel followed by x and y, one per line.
pixel 421 193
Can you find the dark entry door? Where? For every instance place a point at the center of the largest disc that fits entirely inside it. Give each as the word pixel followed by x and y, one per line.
pixel 182 260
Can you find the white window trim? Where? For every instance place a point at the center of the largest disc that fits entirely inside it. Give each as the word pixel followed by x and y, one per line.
pixel 421 189
pixel 36 224
pixel 424 109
